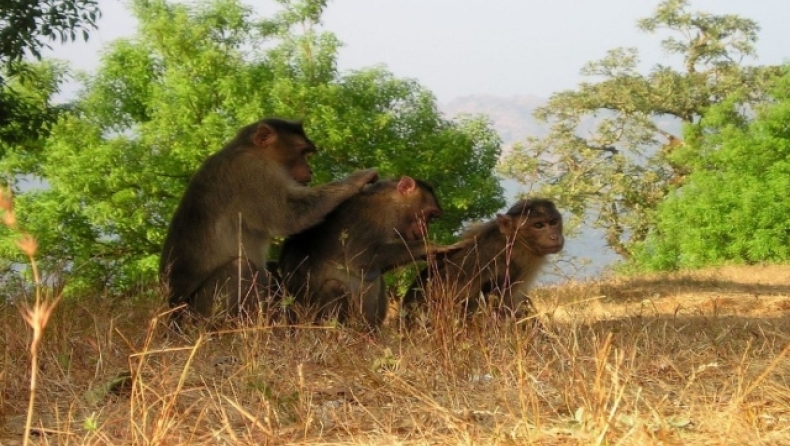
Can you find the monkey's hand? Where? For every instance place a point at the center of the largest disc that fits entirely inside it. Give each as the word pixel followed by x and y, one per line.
pixel 443 250
pixel 363 177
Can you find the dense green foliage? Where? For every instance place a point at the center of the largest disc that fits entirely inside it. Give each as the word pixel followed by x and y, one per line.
pixel 28 111
pixel 168 97
pixel 608 157
pixel 735 206
pixel 25 26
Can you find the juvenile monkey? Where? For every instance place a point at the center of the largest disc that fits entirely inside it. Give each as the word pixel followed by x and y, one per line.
pixel 254 188
pixel 502 257
pixel 336 266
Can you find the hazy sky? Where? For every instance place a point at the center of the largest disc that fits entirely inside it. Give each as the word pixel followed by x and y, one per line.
pixel 499 47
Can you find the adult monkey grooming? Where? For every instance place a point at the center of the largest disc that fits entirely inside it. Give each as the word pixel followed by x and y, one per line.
pixel 254 188
pixel 503 257
pixel 336 266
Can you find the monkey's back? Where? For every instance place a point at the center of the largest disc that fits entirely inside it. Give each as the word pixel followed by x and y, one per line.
pixel 334 244
pixel 192 225
pixel 483 254
pixel 464 273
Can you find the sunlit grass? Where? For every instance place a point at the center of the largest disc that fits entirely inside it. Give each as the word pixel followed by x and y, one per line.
pixel 693 358
pixel 672 359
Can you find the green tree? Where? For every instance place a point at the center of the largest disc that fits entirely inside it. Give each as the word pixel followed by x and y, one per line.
pixel 25 28
pixel 28 111
pixel 166 98
pixel 26 25
pixel 608 156
pixel 734 206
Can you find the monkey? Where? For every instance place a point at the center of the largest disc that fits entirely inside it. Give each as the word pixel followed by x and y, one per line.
pixel 502 257
pixel 253 189
pixel 336 267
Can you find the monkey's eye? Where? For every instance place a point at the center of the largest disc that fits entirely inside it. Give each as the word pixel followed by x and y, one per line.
pixel 554 222
pixel 538 225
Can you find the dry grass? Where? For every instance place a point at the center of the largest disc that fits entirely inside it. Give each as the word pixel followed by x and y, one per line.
pixel 668 359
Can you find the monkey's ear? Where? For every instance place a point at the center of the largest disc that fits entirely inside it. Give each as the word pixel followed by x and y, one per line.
pixel 264 136
pixel 406 185
pixel 505 223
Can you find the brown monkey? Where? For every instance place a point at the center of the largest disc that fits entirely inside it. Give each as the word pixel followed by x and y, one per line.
pixel 336 266
pixel 254 188
pixel 502 257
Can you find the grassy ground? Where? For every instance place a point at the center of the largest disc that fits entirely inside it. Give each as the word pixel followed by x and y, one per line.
pixel 693 358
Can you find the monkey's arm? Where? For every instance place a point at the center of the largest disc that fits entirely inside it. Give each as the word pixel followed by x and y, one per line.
pixel 303 207
pixel 398 253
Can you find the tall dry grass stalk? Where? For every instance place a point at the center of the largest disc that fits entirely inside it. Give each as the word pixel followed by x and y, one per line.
pixel 36 315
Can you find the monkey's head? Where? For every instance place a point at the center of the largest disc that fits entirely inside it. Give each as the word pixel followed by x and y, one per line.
pixel 417 207
pixel 286 144
pixel 534 224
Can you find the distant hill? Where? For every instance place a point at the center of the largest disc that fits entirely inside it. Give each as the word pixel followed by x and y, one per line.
pixel 511 116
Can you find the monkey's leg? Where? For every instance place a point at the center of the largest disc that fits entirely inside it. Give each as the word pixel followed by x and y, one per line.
pixel 333 299
pixel 516 302
pixel 235 288
pixel 374 302
pixel 414 299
